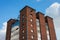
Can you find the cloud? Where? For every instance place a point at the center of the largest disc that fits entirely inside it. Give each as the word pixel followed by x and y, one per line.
pixel 3 31
pixel 54 12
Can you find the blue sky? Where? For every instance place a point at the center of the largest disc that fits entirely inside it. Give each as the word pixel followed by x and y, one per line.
pixel 10 8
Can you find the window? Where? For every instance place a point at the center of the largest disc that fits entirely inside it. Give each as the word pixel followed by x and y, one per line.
pixel 23 26
pixel 38 29
pixel 32 37
pixel 22 20
pixel 23 37
pixel 48 37
pixel 31 25
pixel 31 15
pixel 31 20
pixel 31 10
pixel 23 16
pixel 47 30
pixel 31 30
pixel 23 31
pixel 14 34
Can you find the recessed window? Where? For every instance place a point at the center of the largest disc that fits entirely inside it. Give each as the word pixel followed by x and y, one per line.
pixel 23 31
pixel 30 15
pixel 31 10
pixel 32 37
pixel 23 37
pixel 31 20
pixel 31 30
pixel 31 25
pixel 23 16
pixel 23 26
pixel 22 20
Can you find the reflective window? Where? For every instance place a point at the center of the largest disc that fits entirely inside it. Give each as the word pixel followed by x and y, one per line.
pixel 47 30
pixel 31 30
pixel 15 31
pixel 38 29
pixel 31 20
pixel 32 37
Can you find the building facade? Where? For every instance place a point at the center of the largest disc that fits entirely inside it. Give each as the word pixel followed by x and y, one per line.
pixel 31 26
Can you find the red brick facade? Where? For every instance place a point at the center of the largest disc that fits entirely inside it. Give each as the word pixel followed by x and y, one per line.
pixel 8 32
pixel 42 26
pixel 49 21
pixel 28 27
pixel 28 14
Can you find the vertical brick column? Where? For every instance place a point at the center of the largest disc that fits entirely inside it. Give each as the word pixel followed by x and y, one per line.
pixel 26 12
pixel 50 23
pixel 9 25
pixel 31 14
pixel 23 24
pixel 42 26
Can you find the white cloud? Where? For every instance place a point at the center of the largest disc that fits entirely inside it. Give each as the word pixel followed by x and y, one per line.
pixel 3 31
pixel 54 12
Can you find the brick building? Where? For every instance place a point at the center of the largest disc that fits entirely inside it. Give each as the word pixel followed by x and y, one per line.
pixel 30 26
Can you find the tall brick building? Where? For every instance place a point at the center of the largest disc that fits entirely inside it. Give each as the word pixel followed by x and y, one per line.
pixel 30 26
